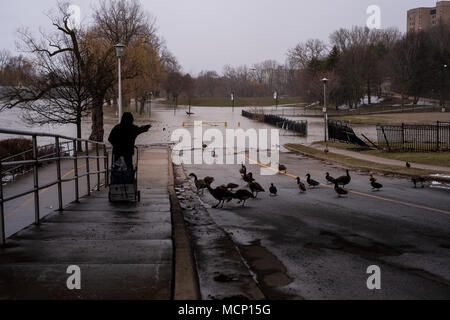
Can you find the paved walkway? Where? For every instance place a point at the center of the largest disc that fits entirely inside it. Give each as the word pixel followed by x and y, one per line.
pixel 380 160
pixel 124 251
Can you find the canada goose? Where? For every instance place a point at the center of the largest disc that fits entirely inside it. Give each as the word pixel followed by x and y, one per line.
pixel 199 184
pixel 255 187
pixel 243 170
pixel 311 182
pixel 273 190
pixel 213 154
pixel 301 185
pixel 330 178
pixel 248 177
pixel 220 194
pixel 243 195
pixel 230 186
pixel 375 185
pixel 408 165
pixel 326 149
pixel 417 180
pixel 344 180
pixel 282 168
pixel 209 180
pixel 340 191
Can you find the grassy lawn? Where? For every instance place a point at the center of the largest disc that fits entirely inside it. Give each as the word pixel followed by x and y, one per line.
pixel 431 158
pixel 397 118
pixel 239 101
pixel 352 162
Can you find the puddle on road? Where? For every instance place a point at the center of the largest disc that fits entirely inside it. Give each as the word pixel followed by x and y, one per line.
pixel 270 272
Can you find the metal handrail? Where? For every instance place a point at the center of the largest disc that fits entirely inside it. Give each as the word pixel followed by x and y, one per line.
pixel 36 161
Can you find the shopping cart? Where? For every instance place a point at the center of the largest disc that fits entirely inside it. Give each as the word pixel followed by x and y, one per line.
pixel 123 183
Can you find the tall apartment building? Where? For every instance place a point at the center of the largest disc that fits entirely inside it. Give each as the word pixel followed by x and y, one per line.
pixel 419 19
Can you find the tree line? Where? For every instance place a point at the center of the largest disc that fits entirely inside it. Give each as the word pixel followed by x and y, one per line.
pixel 359 62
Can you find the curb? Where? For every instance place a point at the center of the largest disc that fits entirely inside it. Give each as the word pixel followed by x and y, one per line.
pixel 186 283
pixel 394 173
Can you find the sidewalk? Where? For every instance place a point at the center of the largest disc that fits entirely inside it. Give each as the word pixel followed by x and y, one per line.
pixel 124 251
pixel 379 160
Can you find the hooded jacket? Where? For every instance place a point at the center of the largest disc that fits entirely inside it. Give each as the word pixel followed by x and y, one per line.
pixel 123 136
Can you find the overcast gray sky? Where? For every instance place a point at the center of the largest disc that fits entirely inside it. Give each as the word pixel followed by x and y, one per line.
pixel 207 34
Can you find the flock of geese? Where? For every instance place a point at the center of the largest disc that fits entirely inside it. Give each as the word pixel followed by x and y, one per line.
pixel 224 193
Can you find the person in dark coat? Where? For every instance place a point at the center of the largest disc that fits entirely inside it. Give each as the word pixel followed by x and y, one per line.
pixel 123 138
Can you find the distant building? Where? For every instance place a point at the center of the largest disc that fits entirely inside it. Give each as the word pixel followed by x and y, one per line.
pixel 419 19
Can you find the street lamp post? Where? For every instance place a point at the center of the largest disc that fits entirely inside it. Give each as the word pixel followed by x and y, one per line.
pixel 119 52
pixel 325 80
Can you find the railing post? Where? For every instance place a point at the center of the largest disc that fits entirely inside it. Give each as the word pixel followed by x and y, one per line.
pixel 58 174
pixel 437 136
pixel 106 165
pixel 88 176
pixel 75 170
pixel 98 166
pixel 2 213
pixel 36 182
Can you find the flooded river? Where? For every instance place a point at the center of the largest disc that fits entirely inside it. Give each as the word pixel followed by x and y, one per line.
pixel 165 117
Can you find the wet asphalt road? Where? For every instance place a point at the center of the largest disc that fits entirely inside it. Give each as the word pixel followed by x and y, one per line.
pixel 325 244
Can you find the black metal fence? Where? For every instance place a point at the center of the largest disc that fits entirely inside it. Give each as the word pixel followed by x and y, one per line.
pixel 415 137
pixel 342 132
pixel 300 127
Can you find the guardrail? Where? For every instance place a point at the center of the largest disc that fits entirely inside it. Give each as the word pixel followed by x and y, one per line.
pixel 35 162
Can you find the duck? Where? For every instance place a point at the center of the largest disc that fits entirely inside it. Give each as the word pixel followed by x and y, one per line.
pixel 243 170
pixel 329 178
pixel 375 185
pixel 408 165
pixel 417 180
pixel 344 180
pixel 248 177
pixel 301 185
pixel 204 146
pixel 199 184
pixel 243 195
pixel 340 191
pixel 311 182
pixel 273 190
pixel 326 149
pixel 255 187
pixel 220 194
pixel 282 168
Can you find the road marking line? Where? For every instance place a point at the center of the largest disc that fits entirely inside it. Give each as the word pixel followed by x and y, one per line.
pixel 405 203
pixel 26 202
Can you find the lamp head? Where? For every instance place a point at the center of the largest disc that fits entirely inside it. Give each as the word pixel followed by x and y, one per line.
pixel 119 49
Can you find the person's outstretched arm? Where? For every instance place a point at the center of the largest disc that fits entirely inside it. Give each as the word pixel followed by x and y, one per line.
pixel 144 129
